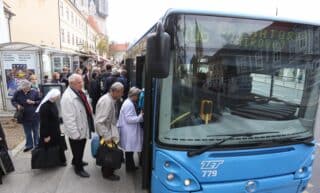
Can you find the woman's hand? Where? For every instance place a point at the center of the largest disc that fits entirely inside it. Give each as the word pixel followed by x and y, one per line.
pixel 47 139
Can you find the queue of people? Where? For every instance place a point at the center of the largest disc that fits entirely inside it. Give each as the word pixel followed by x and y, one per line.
pixel 114 122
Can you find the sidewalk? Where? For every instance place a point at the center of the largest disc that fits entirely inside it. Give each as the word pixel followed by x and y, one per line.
pixel 64 180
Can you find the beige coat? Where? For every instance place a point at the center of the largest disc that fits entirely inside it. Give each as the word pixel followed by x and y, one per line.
pixel 74 115
pixel 105 120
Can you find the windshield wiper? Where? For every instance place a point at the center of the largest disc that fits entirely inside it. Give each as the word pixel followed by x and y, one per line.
pixel 229 136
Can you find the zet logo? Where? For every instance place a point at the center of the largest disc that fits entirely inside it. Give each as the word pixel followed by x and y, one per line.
pixel 210 168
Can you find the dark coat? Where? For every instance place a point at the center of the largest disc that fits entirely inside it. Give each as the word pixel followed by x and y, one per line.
pixel 49 123
pixel 3 142
pixel 94 93
pixel 29 111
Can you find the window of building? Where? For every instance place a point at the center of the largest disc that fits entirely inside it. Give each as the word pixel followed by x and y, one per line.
pixel 68 38
pixel 67 13
pixel 72 18
pixel 62 35
pixel 72 39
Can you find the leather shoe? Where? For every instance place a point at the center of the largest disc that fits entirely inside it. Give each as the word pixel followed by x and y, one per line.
pixel 113 177
pixel 27 149
pixel 82 173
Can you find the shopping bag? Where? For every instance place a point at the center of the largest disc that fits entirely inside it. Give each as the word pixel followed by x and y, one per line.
pixel 18 115
pixel 109 156
pixel 6 165
pixel 95 145
pixel 45 157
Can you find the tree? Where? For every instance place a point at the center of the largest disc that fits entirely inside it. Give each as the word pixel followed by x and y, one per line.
pixel 103 46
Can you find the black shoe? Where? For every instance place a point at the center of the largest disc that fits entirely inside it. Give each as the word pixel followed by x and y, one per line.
pixel 113 177
pixel 27 149
pixel 82 173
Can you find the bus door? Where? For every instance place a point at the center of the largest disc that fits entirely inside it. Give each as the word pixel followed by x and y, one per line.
pixel 140 71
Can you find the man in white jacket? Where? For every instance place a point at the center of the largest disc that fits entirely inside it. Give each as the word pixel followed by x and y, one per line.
pixel 77 121
pixel 106 122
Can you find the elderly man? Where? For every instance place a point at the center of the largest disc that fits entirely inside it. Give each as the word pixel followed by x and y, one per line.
pixel 77 120
pixel 28 100
pixel 105 122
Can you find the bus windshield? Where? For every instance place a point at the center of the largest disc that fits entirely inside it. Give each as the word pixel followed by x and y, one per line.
pixel 231 76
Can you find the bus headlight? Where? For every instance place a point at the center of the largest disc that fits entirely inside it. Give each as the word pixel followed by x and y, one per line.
pixel 173 175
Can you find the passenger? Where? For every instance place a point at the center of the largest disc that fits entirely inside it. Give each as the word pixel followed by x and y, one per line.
pixel 131 133
pixel 50 134
pixel 94 91
pixel 55 78
pixel 106 122
pixel 28 100
pixel 77 121
pixel 34 84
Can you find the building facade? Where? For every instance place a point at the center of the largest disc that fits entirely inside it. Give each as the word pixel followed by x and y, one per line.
pixel 65 28
pixel 5 18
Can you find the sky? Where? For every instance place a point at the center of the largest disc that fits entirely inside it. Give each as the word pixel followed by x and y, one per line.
pixel 128 20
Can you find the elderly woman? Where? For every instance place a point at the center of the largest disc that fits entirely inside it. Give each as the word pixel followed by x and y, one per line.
pixel 28 100
pixel 131 134
pixel 50 123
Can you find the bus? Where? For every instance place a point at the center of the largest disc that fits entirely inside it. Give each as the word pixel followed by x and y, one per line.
pixel 230 102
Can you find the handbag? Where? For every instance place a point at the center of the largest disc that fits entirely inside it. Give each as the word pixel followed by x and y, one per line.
pixel 18 115
pixel 109 155
pixel 45 157
pixel 63 143
pixel 6 165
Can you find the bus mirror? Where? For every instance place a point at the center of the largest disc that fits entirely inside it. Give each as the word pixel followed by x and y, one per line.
pixel 158 53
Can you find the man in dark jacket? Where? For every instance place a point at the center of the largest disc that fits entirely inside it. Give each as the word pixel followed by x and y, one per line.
pixel 28 100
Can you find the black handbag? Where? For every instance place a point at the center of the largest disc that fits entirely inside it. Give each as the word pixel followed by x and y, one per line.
pixel 6 165
pixel 110 157
pixel 18 115
pixel 45 157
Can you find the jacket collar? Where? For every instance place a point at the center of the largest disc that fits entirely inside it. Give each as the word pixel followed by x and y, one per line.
pixel 72 93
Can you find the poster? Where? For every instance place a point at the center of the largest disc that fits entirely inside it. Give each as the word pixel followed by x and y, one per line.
pixel 17 66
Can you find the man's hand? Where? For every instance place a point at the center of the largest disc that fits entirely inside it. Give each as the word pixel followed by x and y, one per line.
pixel 19 107
pixel 30 102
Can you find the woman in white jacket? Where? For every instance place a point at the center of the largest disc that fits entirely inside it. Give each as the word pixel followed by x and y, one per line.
pixel 131 134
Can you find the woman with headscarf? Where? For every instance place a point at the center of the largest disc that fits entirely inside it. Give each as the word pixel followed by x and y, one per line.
pixel 131 134
pixel 50 134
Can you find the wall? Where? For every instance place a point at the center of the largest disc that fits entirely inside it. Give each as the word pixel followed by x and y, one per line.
pixel 36 22
pixel 4 28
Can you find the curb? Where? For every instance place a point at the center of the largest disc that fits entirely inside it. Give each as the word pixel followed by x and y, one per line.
pixel 18 148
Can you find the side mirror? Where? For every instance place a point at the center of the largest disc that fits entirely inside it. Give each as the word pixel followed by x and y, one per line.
pixel 158 53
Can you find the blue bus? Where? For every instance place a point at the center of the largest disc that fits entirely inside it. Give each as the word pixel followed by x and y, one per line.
pixel 230 102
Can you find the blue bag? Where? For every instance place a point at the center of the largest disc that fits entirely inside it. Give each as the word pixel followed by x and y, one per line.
pixel 95 142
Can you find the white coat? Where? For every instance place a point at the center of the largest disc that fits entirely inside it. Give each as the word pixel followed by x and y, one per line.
pixel 131 134
pixel 74 115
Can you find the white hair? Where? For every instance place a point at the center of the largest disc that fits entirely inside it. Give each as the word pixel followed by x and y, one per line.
pixel 24 84
pixel 116 86
pixel 73 77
